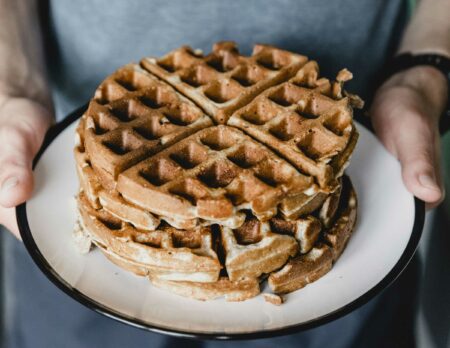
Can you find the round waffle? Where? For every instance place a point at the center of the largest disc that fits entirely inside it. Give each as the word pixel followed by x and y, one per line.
pixel 210 172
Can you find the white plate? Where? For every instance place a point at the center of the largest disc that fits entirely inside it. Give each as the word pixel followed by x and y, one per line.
pixel 389 225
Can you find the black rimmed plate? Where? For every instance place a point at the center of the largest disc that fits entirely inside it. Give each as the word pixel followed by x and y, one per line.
pixel 386 236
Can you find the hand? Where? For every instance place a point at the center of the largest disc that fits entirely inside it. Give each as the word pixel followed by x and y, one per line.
pixel 23 124
pixel 405 114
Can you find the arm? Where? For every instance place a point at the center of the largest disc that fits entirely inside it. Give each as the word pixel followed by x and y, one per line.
pixel 25 103
pixel 429 29
pixel 22 72
pixel 406 109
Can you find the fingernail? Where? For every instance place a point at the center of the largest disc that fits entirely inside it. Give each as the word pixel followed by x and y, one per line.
pixel 9 183
pixel 428 182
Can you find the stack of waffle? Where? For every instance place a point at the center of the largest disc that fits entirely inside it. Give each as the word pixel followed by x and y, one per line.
pixel 211 173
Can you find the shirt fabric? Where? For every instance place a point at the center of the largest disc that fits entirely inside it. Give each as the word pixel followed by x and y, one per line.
pixel 87 40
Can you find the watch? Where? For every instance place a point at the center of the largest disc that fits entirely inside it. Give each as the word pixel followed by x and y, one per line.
pixel 407 60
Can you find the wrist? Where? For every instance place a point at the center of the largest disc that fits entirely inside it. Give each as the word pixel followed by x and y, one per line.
pixel 423 79
pixel 36 92
pixel 25 107
pixel 428 75
pixel 422 88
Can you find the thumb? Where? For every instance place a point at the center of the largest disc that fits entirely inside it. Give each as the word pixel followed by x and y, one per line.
pixel 23 125
pixel 414 139
pixel 418 152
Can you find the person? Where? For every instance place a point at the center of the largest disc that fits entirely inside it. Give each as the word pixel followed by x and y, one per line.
pixel 52 63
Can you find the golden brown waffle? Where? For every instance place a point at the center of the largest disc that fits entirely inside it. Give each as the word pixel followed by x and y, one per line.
pixel 330 206
pixel 224 80
pixel 306 231
pixel 112 202
pixel 188 262
pixel 307 121
pixel 223 287
pixel 207 210
pixel 251 250
pixel 87 178
pixel 212 175
pixel 231 291
pixel 92 188
pixel 255 249
pixel 167 252
pixel 301 204
pixel 306 268
pixel 302 270
pixel 132 116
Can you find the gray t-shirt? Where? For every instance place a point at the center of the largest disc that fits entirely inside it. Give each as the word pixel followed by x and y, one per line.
pixel 90 39
pixel 87 40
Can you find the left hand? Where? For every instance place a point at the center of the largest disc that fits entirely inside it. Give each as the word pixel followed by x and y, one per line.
pixel 23 124
pixel 405 114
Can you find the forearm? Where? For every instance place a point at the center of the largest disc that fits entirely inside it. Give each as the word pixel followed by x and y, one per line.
pixel 22 72
pixel 429 29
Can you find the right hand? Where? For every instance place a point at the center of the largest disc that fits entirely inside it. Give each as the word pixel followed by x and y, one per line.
pixel 23 124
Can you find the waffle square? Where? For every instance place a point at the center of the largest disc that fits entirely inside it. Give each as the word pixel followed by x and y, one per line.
pixel 212 174
pixel 307 121
pixel 101 195
pixel 224 80
pixel 132 116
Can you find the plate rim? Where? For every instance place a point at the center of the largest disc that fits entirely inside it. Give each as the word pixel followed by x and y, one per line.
pixel 57 280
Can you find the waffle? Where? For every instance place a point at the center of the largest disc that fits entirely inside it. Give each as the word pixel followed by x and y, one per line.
pixel 307 268
pixel 301 204
pixel 158 254
pixel 167 252
pixel 111 201
pixel 89 182
pixel 307 121
pixel 255 249
pixel 223 81
pixel 213 174
pixel 132 116
pixel 203 291
pixel 330 206
pixel 135 120
pixel 230 291
pixel 210 174
pixel 306 231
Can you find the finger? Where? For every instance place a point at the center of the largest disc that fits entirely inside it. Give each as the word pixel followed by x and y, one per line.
pixel 414 139
pixel 8 219
pixel 22 130
pixel 418 156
